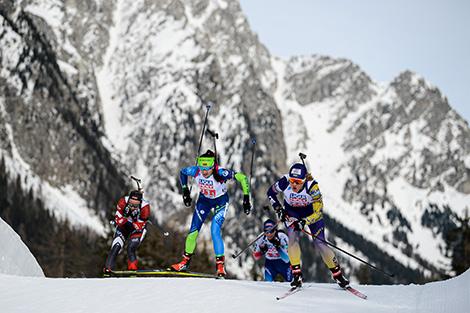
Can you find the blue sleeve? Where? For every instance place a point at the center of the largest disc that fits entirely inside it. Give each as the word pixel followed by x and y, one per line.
pixel 284 246
pixel 225 174
pixel 185 172
pixel 276 188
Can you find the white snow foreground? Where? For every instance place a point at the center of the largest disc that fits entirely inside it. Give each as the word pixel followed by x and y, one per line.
pixel 124 295
pixel 15 257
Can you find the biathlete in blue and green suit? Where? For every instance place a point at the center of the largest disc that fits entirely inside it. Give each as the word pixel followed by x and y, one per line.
pixel 211 180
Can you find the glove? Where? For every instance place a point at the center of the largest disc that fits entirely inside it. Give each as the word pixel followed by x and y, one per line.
pixel 127 210
pixel 276 242
pixel 246 204
pixel 187 197
pixel 121 221
pixel 281 213
pixel 263 248
pixel 139 226
pixel 135 214
pixel 299 225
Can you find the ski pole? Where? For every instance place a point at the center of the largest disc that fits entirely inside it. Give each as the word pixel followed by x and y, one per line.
pixel 350 254
pixel 208 107
pixel 236 255
pixel 159 229
pixel 253 141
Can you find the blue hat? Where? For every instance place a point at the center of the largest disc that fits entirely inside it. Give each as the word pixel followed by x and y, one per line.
pixel 298 170
pixel 269 224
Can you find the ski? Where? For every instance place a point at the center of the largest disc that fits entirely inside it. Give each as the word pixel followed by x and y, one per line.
pixel 356 292
pixel 157 273
pixel 291 291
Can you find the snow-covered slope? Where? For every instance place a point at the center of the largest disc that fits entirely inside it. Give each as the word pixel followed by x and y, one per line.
pixel 165 295
pixel 15 257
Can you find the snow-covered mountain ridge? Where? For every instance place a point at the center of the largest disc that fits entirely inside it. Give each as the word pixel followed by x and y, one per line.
pixel 386 156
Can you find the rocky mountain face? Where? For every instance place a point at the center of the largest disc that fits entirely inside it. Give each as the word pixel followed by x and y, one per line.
pixel 92 91
pixel 393 156
pixel 50 131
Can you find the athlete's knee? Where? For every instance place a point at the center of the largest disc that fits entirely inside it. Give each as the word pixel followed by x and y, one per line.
pixel 267 275
pixel 117 245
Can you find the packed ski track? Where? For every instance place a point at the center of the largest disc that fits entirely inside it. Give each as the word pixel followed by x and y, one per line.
pixel 123 295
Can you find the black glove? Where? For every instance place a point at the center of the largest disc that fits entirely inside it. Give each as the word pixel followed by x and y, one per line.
pixel 263 248
pixel 299 224
pixel 135 214
pixel 127 211
pixel 246 204
pixel 187 197
pixel 276 242
pixel 281 213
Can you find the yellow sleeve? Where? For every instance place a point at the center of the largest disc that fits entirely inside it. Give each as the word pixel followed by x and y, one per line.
pixel 317 214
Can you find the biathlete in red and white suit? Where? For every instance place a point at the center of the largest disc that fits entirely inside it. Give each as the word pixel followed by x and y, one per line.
pixel 132 214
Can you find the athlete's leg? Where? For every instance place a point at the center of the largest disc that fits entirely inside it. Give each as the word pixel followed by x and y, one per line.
pixel 117 245
pixel 294 246
pixel 216 228
pixel 200 213
pixel 318 231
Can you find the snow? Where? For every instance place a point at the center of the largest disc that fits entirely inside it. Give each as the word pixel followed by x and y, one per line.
pixel 123 295
pixel 15 257
pixel 23 293
pixel 112 111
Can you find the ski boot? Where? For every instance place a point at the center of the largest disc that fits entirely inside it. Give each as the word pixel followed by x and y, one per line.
pixel 297 280
pixel 339 278
pixel 132 265
pixel 220 266
pixel 107 271
pixel 183 265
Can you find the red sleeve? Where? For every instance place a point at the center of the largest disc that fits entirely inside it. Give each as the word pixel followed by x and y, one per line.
pixel 120 208
pixel 145 212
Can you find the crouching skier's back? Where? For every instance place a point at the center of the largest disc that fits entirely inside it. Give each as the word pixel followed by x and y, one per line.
pixel 132 214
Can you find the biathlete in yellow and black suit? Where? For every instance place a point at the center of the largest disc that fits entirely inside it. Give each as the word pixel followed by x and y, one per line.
pixel 303 206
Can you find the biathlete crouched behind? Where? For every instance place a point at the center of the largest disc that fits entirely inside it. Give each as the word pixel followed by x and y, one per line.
pixel 273 246
pixel 131 217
